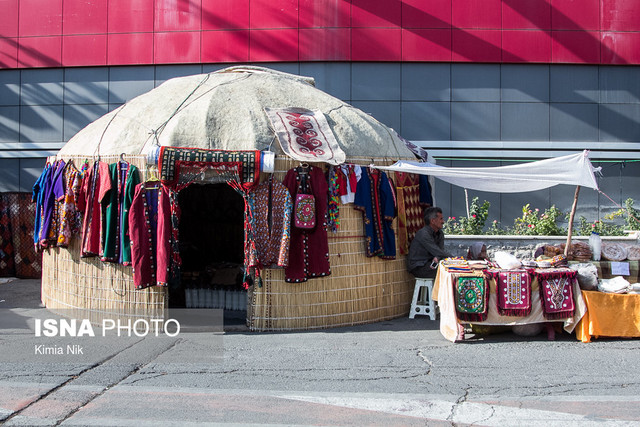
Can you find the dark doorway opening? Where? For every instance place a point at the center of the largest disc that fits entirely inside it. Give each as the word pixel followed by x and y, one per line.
pixel 211 236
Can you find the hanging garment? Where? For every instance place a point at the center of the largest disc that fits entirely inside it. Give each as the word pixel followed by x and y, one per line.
pixel 333 213
pixel 375 199
pixel 348 177
pixel 271 204
pixel 309 248
pixel 426 196
pixel 95 185
pixel 49 218
pixel 410 218
pixel 69 219
pixel 150 231
pixel 37 196
pixel 124 179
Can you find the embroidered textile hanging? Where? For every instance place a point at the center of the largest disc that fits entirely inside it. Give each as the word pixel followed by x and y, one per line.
pixel 513 292
pixel 168 156
pixel 410 218
pixel 471 298
pixel 556 293
pixel 305 135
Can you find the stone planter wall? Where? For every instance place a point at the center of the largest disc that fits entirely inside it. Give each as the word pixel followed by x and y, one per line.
pixel 523 247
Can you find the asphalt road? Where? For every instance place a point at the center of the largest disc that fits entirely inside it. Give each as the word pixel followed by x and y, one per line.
pixel 400 372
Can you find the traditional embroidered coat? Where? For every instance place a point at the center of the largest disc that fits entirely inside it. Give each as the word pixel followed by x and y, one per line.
pixel 309 248
pixel 124 179
pixel 271 204
pixel 375 199
pixel 49 226
pixel 150 232
pixel 95 185
pixel 67 195
pixel 37 196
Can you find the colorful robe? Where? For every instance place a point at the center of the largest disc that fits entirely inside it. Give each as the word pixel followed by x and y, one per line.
pixel 124 179
pixel 271 206
pixel 309 248
pixel 37 196
pixel 375 199
pixel 69 219
pixel 95 185
pixel 150 232
pixel 49 209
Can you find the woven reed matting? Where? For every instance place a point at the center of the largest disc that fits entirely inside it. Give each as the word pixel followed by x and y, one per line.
pixel 91 289
pixel 359 290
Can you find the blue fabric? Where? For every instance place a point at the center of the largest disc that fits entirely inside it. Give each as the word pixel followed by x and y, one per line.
pixel 378 210
pixel 425 191
pixel 37 196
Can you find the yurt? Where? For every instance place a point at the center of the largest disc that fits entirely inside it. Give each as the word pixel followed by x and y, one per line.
pixel 205 216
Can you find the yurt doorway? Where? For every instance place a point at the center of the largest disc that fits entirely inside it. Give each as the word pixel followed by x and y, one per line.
pixel 211 236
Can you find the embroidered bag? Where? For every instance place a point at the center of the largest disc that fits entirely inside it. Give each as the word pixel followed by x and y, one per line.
pixel 305 211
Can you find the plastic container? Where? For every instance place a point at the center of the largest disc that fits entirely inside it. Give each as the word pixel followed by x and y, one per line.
pixel 595 244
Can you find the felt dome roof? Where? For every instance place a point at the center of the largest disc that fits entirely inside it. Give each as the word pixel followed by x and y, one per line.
pixel 225 110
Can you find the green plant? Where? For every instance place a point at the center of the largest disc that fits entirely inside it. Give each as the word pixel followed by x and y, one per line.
pixel 632 215
pixel 533 223
pixel 585 228
pixel 496 229
pixel 474 223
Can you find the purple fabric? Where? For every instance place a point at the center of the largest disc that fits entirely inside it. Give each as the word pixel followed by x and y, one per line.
pixel 49 201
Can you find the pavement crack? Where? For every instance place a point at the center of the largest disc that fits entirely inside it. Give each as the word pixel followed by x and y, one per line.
pixel 65 383
pixel 422 356
pixel 115 383
pixel 456 405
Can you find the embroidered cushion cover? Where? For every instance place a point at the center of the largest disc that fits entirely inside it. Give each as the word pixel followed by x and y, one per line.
pixel 471 298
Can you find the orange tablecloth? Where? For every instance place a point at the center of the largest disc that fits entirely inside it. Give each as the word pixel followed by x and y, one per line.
pixel 609 315
pixel 443 293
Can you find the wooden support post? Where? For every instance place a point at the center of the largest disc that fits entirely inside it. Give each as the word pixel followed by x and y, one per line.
pixel 570 230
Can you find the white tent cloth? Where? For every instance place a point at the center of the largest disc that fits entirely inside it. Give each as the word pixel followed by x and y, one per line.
pixel 574 169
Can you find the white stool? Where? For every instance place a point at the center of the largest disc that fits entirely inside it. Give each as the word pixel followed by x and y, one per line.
pixel 422 299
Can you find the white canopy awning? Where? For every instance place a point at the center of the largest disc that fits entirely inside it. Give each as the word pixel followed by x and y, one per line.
pixel 574 169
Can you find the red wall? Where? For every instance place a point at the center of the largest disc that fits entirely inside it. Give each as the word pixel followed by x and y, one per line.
pixel 54 33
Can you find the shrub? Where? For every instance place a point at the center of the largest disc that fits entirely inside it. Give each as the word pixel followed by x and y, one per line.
pixel 585 228
pixel 532 223
pixel 632 215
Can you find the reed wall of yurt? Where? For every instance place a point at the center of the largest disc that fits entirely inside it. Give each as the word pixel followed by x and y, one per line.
pixel 359 290
pixel 88 288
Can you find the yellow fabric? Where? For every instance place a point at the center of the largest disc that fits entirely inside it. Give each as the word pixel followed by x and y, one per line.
pixel 609 315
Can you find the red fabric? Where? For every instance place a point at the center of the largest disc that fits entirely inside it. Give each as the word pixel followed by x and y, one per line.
pixel 150 248
pixel 95 186
pixel 309 249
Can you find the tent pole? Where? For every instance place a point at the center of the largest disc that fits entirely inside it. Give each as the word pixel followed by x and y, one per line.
pixel 573 213
pixel 466 199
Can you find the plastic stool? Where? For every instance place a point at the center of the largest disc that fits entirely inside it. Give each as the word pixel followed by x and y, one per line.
pixel 422 301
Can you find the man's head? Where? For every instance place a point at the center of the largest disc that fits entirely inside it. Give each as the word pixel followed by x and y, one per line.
pixel 433 218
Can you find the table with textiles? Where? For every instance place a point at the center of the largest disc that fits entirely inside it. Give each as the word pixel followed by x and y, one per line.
pixel 443 293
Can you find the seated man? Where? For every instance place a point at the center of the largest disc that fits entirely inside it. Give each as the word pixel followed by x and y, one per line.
pixel 427 247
